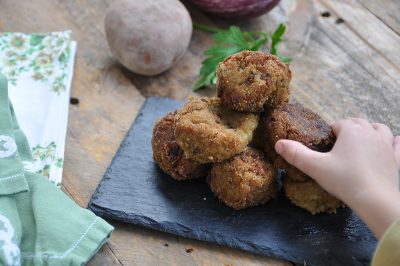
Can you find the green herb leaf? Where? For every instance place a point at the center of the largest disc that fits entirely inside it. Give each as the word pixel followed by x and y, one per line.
pixel 226 43
pixel 276 39
pixel 229 42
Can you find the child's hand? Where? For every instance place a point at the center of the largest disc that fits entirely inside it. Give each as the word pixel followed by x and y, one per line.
pixel 362 169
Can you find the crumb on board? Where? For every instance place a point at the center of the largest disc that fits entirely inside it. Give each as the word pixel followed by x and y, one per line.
pixel 189 250
pixel 325 14
pixel 73 101
pixel 339 20
pixel 166 245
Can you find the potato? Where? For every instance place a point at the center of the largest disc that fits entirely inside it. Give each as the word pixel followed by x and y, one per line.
pixel 148 37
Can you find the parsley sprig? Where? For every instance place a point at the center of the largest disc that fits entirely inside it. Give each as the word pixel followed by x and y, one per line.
pixel 231 41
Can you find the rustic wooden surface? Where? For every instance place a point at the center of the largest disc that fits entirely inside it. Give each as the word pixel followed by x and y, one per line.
pixel 339 70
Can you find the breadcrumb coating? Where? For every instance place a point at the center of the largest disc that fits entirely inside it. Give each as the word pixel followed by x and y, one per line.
pixel 295 122
pixel 246 180
pixel 169 156
pixel 310 196
pixel 251 80
pixel 209 133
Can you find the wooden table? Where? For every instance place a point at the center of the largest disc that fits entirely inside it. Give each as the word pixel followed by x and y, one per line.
pixel 346 63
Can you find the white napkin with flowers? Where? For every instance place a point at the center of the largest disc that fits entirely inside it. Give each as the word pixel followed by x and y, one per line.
pixel 39 69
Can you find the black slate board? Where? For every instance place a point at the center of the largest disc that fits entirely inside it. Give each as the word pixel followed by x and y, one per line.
pixel 134 190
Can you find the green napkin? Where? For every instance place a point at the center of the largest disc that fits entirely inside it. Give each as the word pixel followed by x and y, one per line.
pixel 12 178
pixel 39 224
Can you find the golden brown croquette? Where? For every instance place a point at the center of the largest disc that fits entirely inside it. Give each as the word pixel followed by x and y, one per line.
pixel 310 196
pixel 209 133
pixel 260 139
pixel 296 122
pixel 251 80
pixel 169 156
pixel 290 171
pixel 245 180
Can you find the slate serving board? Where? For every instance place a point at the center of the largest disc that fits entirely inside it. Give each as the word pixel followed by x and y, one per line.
pixel 135 190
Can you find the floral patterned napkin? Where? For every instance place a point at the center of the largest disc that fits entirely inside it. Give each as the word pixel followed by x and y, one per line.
pixel 39 68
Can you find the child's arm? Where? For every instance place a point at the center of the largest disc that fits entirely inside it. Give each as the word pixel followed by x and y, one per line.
pixel 362 169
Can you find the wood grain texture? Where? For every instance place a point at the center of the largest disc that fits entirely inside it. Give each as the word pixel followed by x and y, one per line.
pixel 342 75
pixel 385 10
pixel 339 70
pixel 363 23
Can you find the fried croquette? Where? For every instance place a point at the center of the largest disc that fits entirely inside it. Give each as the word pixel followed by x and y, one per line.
pixel 209 133
pixel 259 135
pixel 169 156
pixel 245 180
pixel 250 81
pixel 296 122
pixel 290 171
pixel 310 196
pixel 260 139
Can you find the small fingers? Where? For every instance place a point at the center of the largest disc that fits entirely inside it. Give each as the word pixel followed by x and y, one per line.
pixel 360 121
pixel 396 149
pixel 384 131
pixel 301 157
pixel 338 126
